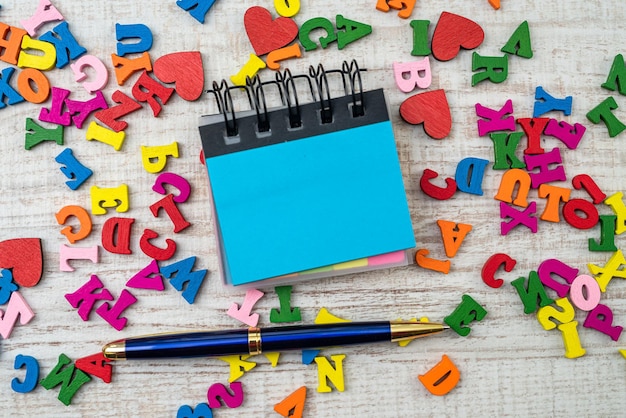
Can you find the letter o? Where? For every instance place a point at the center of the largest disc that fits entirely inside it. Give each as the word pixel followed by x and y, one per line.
pixel 42 91
pixel 579 299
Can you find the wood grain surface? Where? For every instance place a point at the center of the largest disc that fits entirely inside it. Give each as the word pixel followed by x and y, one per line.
pixel 509 365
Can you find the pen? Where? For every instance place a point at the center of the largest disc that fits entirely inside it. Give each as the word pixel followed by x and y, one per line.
pixel 256 340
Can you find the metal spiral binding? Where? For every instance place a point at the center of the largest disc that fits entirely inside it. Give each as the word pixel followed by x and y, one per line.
pixel 258 94
pixel 289 85
pixel 286 83
pixel 224 100
pixel 354 74
pixel 326 106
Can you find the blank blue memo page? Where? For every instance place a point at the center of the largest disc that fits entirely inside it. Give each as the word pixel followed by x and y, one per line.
pixel 309 197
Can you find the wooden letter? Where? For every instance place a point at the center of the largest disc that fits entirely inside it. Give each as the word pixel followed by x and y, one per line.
pixel 116 235
pixel 65 44
pixel 68 377
pixel 112 197
pixel 553 266
pixel 554 195
pixel 326 372
pixel 84 222
pixel 294 402
pixel 493 120
pixel 244 314
pixel 492 264
pixel 218 391
pixel 238 365
pixel 545 103
pixel 286 312
pixel 76 172
pixel 510 179
pixel 154 158
pixel 111 314
pixel 442 378
pixel 17 308
pixel 196 8
pixel 468 311
pixel 183 278
pixel 45 12
pixel 45 58
pixel 453 235
pixel 106 136
pixel 125 67
pixel 610 270
pixel 410 75
pixel 534 295
pixel 85 297
pixel 101 75
pixel 32 374
pixel 542 162
pixel 137 31
pixel 604 112
pixel 10 43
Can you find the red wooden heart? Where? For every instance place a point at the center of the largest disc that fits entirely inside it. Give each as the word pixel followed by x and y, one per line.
pixel 265 34
pixel 183 68
pixel 25 258
pixel 430 109
pixel 454 32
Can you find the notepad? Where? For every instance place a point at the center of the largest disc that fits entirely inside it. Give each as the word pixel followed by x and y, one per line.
pixel 298 202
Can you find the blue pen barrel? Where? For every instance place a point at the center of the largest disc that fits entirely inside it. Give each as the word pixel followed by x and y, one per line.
pixel 223 343
pixel 193 344
pixel 318 336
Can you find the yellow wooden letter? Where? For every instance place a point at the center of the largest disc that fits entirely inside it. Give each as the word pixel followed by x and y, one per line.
pixel 238 366
pixel 114 197
pixel 105 135
pixel 571 340
pixel 617 204
pixel 326 372
pixel 611 269
pixel 273 358
pixel 287 8
pixel 249 69
pixel 565 315
pixel 154 158
pixel 325 317
pixel 44 61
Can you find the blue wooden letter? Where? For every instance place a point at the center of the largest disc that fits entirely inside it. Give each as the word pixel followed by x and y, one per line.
pixel 474 168
pixel 6 90
pixel 32 374
pixel 196 8
pixel 65 44
pixel 133 31
pixel 73 170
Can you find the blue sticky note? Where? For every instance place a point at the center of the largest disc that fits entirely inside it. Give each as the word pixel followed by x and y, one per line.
pixel 333 195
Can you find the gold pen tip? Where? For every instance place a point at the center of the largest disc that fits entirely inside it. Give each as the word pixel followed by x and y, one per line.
pixel 115 350
pixel 408 330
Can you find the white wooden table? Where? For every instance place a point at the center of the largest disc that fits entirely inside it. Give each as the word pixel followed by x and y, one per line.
pixel 509 365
